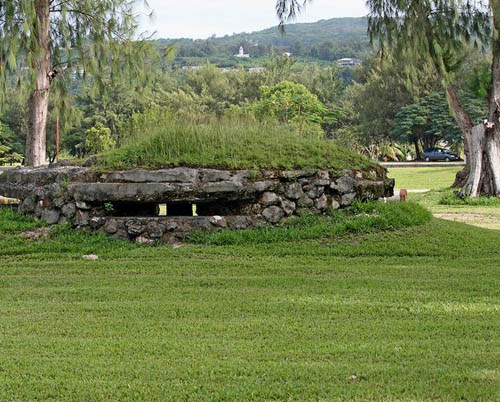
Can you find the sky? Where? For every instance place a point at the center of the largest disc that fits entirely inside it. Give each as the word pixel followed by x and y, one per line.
pixel 201 19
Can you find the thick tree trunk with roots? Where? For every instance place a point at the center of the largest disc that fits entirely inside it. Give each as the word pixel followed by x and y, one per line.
pixel 39 100
pixel 481 176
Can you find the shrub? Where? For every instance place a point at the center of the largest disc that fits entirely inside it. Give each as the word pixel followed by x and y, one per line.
pixel 98 139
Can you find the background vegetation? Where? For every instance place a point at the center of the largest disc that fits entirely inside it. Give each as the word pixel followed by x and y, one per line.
pixel 375 108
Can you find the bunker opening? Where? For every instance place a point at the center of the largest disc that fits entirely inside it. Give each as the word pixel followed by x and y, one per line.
pixel 178 208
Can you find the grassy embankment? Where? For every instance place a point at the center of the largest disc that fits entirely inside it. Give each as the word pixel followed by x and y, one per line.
pixel 159 139
pixel 405 315
pixel 486 214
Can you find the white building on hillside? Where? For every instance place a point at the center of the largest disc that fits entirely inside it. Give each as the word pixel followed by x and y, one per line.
pixel 241 54
pixel 347 62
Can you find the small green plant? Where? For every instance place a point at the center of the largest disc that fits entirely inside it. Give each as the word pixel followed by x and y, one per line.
pixel 109 208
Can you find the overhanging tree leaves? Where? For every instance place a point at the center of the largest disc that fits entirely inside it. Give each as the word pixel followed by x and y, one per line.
pixel 46 43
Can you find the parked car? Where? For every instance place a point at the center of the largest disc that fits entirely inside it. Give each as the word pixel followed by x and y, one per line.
pixel 440 154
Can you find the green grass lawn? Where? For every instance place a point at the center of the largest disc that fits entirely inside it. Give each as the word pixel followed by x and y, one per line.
pixel 410 315
pixel 424 177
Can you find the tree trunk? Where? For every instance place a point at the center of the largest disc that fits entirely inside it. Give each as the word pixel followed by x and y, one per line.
pixel 417 149
pixel 39 100
pixel 482 148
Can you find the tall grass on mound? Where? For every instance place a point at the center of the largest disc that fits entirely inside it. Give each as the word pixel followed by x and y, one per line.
pixel 360 218
pixel 160 139
pixel 454 199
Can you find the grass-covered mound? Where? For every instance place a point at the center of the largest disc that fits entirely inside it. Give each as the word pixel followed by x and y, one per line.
pixel 359 219
pixel 158 139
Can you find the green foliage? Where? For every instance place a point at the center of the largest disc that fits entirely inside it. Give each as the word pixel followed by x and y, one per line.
pixel 439 31
pixel 98 139
pixel 159 139
pixel 292 103
pixel 360 218
pixel 8 155
pixel 427 122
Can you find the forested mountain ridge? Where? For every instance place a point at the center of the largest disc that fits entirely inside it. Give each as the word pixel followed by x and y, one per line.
pixel 325 40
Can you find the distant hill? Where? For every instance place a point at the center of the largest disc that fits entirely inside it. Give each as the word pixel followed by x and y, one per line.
pixel 323 41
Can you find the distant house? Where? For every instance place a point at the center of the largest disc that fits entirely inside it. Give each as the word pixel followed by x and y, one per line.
pixel 348 62
pixel 287 54
pixel 256 69
pixel 241 54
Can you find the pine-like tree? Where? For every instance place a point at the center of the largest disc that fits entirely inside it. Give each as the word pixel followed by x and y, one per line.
pixel 45 43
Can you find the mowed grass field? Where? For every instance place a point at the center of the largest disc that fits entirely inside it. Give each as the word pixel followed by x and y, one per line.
pixel 407 315
pixel 439 181
pixel 418 178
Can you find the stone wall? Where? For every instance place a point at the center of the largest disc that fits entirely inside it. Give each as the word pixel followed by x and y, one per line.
pixel 125 204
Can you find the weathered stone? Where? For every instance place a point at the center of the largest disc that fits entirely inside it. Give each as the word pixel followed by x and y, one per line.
pixel 172 226
pixel 288 206
pixel 261 186
pixel 83 205
pixel 97 222
pixel 134 192
pixel 59 202
pixel 91 257
pixel 111 226
pixel 297 174
pixel 273 214
pixel 82 218
pixel 322 203
pixel 371 190
pixel 62 220
pixel 344 185
pixel 239 222
pixel 267 199
pixel 69 210
pixel 307 187
pixel 294 191
pixel 322 178
pixel 347 199
pixel 121 234
pixel 334 204
pixel 47 203
pixel 316 192
pixel 154 230
pixel 144 240
pixel 50 216
pixel 176 175
pixel 134 227
pixel 218 221
pixel 28 205
pixel 212 175
pixel 38 209
pixel 305 202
